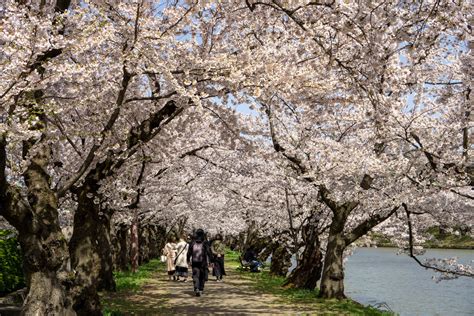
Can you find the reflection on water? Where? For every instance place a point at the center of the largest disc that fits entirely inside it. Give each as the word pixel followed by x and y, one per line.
pixel 377 275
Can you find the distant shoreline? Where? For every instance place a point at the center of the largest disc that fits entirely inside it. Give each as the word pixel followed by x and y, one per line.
pixel 435 240
pixel 424 247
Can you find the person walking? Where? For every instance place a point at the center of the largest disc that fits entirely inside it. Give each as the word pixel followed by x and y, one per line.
pixel 181 261
pixel 198 254
pixel 218 251
pixel 170 252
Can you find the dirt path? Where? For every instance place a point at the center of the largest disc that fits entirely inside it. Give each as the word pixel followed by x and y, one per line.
pixel 234 296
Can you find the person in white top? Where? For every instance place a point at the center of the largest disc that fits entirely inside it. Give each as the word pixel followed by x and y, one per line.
pixel 181 260
pixel 170 252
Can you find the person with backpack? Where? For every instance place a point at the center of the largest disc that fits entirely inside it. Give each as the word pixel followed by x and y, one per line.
pixel 198 255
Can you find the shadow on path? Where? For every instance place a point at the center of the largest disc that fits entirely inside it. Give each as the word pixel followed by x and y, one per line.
pixel 234 296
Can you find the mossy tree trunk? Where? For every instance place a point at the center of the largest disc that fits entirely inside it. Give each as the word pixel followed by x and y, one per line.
pixel 43 244
pixel 332 282
pixel 281 259
pixel 253 239
pixel 90 251
pixel 308 271
pixel 123 247
pixel 144 242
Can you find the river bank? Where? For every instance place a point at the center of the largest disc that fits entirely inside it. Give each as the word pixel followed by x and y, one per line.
pixel 436 239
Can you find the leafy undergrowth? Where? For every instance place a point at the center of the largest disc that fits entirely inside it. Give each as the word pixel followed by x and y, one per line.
pixel 11 273
pixel 266 283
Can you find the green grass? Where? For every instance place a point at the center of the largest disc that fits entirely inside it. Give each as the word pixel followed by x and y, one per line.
pixel 265 283
pixel 117 304
pixel 439 240
pixel 111 312
pixel 128 281
pixel 382 240
pixel 448 240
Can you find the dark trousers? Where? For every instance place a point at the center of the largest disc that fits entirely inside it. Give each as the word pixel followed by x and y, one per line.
pixel 218 270
pixel 199 275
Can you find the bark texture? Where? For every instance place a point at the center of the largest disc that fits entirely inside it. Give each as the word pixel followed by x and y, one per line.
pixel 44 245
pixel 91 250
pixel 281 259
pixel 122 247
pixel 332 283
pixel 308 271
pixel 134 246
pixel 41 239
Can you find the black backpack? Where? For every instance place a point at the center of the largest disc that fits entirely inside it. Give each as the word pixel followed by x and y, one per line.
pixel 198 252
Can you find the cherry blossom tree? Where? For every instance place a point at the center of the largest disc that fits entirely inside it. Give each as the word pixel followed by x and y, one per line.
pixel 388 102
pixel 361 112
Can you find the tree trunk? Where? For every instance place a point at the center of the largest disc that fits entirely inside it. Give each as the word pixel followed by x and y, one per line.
pixel 104 244
pixel 332 283
pixel 90 251
pixel 43 244
pixel 123 247
pixel 308 271
pixel 45 256
pixel 134 253
pixel 281 260
pixel 269 250
pixel 252 238
pixel 85 259
pixel 157 240
pixel 144 242
pixel 47 295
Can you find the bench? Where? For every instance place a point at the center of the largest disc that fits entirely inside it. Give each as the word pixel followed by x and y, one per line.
pixel 244 265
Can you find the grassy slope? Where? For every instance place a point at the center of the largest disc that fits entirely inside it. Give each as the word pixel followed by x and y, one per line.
pixel 265 283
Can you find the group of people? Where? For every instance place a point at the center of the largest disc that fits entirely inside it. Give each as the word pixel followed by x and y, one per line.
pixel 196 253
pixel 250 258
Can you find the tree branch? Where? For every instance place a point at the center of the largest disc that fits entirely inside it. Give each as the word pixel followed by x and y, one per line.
pixel 412 253
pixel 110 123
pixel 364 227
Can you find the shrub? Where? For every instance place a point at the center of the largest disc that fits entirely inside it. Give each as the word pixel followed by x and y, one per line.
pixel 11 272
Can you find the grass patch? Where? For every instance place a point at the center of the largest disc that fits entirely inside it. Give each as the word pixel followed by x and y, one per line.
pixel 130 284
pixel 265 283
pixel 381 240
pixel 438 240
pixel 448 240
pixel 111 312
pixel 128 281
